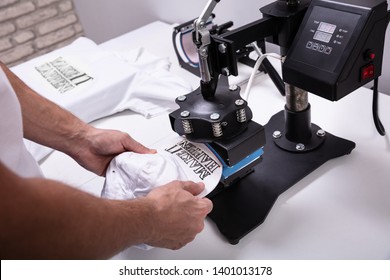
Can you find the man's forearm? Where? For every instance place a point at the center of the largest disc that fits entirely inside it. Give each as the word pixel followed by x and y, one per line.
pixel 48 220
pixel 44 219
pixel 43 121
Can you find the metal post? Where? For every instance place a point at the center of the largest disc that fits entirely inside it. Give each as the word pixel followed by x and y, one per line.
pixel 296 99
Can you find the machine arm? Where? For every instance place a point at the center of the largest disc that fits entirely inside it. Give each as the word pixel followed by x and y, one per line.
pixel 202 40
pixel 230 42
pixel 279 25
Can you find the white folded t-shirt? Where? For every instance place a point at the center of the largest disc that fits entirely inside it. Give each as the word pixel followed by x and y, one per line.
pixel 93 83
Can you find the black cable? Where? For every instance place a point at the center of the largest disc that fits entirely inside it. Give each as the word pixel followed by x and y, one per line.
pixel 378 124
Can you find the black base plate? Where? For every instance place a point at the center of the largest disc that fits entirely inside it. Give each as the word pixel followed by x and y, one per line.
pixel 243 206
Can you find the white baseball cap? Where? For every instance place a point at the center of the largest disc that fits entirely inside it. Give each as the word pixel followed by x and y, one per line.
pixel 132 175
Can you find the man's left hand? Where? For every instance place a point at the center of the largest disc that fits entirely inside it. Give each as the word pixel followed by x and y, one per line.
pixel 100 146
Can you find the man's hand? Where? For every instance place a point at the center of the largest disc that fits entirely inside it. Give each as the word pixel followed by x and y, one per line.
pixel 178 214
pixel 100 146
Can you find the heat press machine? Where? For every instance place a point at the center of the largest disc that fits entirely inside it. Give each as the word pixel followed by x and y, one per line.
pixel 329 48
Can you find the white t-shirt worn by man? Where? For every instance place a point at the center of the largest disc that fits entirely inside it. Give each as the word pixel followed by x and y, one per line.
pixel 13 153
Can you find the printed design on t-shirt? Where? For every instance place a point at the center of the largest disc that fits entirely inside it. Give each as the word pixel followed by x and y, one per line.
pixel 195 158
pixel 62 75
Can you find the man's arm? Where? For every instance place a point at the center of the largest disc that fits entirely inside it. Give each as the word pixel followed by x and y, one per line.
pixel 48 124
pixel 44 219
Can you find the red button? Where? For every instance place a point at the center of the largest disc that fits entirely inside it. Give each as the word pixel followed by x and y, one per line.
pixel 368 72
pixel 369 55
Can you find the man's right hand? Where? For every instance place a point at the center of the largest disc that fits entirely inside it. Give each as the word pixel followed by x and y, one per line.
pixel 178 214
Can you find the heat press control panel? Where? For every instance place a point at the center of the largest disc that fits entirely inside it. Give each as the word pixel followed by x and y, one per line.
pixel 338 48
pixel 325 37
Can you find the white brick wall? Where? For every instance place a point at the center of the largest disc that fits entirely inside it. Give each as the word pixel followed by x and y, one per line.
pixel 29 28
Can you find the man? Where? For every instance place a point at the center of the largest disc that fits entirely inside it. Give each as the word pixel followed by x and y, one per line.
pixel 45 219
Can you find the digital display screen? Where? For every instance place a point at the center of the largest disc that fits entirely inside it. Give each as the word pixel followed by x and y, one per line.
pixel 324 32
pixel 322 36
pixel 327 27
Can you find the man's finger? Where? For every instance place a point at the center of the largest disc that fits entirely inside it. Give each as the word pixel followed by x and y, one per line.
pixel 208 205
pixel 193 188
pixel 134 146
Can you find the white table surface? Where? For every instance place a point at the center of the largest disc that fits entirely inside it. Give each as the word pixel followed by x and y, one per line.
pixel 340 211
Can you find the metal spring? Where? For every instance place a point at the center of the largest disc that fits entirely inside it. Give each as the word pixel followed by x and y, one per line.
pixel 217 129
pixel 187 126
pixel 241 115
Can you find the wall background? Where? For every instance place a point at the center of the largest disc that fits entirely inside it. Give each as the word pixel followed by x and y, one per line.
pixel 105 19
pixel 29 28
